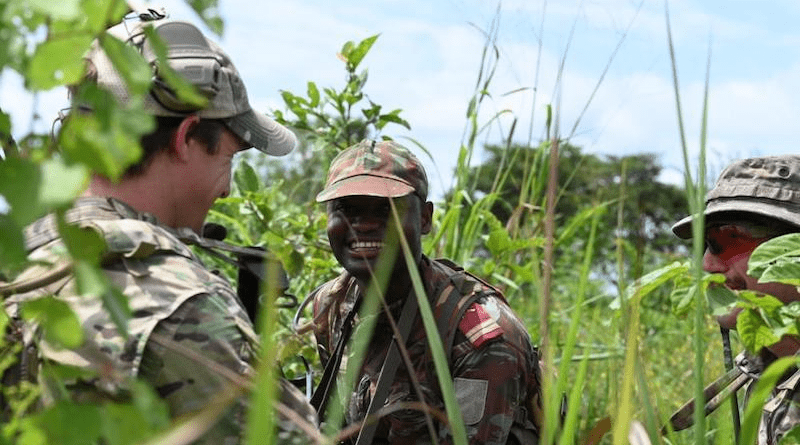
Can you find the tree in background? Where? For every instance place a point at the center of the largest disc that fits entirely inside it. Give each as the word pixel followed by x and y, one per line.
pixel 642 223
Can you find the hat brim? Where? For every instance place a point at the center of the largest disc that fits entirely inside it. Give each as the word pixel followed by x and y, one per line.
pixel 719 208
pixel 262 133
pixel 365 185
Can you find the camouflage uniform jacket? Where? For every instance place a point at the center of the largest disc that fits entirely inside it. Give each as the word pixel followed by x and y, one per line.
pixel 781 411
pixel 175 302
pixel 493 364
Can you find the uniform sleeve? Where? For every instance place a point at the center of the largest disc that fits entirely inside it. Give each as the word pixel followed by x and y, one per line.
pixel 205 326
pixel 490 384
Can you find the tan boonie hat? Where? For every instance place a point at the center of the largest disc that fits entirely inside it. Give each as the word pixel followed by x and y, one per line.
pixel 205 65
pixel 766 186
pixel 370 168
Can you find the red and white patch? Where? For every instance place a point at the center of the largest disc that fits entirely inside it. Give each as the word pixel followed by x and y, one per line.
pixel 478 326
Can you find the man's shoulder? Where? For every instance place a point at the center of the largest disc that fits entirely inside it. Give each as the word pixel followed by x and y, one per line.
pixel 485 315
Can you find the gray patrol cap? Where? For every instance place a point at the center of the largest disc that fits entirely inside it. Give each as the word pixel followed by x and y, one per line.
pixel 765 186
pixel 203 64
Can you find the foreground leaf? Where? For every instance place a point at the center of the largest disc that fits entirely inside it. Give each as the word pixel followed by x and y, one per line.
pixel 59 324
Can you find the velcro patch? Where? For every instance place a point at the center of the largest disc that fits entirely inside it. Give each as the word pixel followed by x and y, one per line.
pixel 478 326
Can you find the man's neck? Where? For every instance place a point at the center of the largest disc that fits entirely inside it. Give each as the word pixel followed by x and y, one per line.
pixel 137 192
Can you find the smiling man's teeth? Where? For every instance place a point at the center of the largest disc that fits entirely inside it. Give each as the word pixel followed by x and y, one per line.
pixel 366 245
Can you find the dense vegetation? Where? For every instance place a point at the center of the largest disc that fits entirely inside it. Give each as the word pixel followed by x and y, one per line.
pixel 593 269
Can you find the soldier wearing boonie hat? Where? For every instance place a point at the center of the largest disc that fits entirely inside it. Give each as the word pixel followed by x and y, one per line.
pixel 754 200
pixel 497 378
pixel 180 310
pixel 765 187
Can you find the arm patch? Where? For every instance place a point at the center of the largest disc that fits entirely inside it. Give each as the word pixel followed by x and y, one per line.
pixel 479 326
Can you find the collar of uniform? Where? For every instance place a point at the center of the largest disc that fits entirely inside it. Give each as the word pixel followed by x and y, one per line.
pixel 45 229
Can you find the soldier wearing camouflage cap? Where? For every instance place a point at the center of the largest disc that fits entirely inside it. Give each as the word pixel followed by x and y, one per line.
pixel 753 201
pixel 492 361
pixel 188 332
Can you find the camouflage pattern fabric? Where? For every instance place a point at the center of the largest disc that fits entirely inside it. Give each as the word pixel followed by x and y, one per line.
pixel 493 364
pixel 173 298
pixel 372 168
pixel 781 411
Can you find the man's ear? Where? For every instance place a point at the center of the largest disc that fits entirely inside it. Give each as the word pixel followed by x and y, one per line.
pixel 426 217
pixel 180 138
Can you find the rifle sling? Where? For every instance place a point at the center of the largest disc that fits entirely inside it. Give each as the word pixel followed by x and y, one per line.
pixel 319 400
pixel 388 371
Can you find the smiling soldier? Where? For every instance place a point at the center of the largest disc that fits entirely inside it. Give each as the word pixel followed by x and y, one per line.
pixel 492 363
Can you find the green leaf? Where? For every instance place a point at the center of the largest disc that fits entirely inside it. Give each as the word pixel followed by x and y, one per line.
pixel 58 61
pixel 59 324
pixel 354 54
pixel 32 190
pixel 83 244
pixel 91 282
pixel 62 9
pixel 653 280
pixel 313 94
pixel 246 178
pixel 499 241
pixel 20 180
pixel 61 183
pixel 753 330
pixel 12 246
pixel 71 423
pixel 787 272
pixel 720 299
pixel 184 91
pixel 113 11
pixel 106 140
pixel 208 10
pixel 791 437
pixel 776 254
pixel 127 60
pixel 765 302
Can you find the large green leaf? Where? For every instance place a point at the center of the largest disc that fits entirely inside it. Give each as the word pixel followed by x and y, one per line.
pixel 93 283
pixel 83 244
pixel 184 91
pixel 753 330
pixel 62 9
pixel 58 61
pixel 107 139
pixel 208 10
pixel 12 247
pixel 71 423
pixel 61 183
pixel 354 53
pixel 59 324
pixel 113 11
pixel 246 178
pixel 136 72
pixel 651 281
pixel 777 260
pixel 20 180
pixel 32 190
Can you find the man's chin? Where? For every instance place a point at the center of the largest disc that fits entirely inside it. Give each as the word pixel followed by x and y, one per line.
pixel 728 321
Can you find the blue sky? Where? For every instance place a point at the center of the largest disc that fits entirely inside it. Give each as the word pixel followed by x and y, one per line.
pixel 427 57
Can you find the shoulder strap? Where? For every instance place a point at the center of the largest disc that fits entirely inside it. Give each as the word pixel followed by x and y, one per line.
pixel 389 369
pixel 452 302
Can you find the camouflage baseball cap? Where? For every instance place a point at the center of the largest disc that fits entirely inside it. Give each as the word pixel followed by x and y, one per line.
pixel 205 65
pixel 765 186
pixel 372 168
